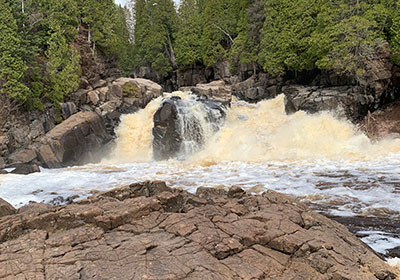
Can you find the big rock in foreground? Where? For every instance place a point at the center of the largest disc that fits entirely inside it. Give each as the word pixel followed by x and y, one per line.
pixel 74 141
pixel 148 231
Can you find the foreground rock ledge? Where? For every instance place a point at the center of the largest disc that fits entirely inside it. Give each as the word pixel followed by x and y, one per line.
pixel 148 231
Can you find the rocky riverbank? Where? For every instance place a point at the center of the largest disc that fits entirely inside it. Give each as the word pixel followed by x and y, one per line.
pixel 149 231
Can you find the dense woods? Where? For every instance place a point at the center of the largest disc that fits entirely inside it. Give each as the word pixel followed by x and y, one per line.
pixel 38 60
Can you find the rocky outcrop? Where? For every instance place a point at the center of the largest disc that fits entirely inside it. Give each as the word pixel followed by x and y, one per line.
pixel 257 88
pixel 74 141
pixel 216 90
pixel 6 208
pixel 346 102
pixel 180 126
pixel 383 123
pixel 148 231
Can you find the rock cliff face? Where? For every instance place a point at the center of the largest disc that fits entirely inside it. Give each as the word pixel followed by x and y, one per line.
pixel 148 231
pixel 87 121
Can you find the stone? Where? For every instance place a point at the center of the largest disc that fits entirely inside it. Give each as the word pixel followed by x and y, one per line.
pixel 169 137
pixel 2 163
pixel 93 98
pixel 22 156
pixel 25 168
pixel 100 83
pixel 114 93
pixel 139 232
pixel 102 93
pixel 74 141
pixel 6 208
pixel 79 97
pixel 110 106
pixel 344 101
pixel 3 172
pixel 216 90
pixel 37 128
pixel 68 109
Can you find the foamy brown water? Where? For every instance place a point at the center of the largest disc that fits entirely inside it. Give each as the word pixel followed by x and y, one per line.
pixel 327 162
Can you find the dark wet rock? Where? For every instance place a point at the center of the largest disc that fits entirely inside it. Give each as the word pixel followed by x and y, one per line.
pixel 171 234
pixel 3 172
pixel 25 168
pixel 73 141
pixel 177 130
pixel 347 101
pixel 6 208
pixel 394 253
pixel 257 88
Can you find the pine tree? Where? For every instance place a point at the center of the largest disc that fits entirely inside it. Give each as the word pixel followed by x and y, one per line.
pixel 12 67
pixel 63 68
pixel 188 47
pixel 395 35
pixel 220 29
pixel 156 25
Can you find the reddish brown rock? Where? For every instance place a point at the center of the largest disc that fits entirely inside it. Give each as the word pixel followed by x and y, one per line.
pixel 6 208
pixel 148 231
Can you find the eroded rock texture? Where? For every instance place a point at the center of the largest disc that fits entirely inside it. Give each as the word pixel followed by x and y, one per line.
pixel 148 231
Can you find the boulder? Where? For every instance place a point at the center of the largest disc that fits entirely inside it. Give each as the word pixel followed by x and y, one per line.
pixel 114 93
pixel 346 102
pixel 149 231
pixel 256 88
pixel 216 90
pixel 138 92
pixel 93 97
pixel 68 109
pixel 25 168
pixel 2 163
pixel 74 141
pixel 22 156
pixel 79 97
pixel 6 208
pixel 37 128
pixel 100 83
pixel 178 131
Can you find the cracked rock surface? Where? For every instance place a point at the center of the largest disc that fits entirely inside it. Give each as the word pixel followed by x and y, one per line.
pixel 149 231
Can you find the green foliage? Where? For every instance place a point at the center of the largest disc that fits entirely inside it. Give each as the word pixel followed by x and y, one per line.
pixel 188 47
pixel 130 90
pixel 155 29
pixel 12 67
pixel 63 68
pixel 395 38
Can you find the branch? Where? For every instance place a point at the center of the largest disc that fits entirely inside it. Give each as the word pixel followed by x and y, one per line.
pixel 226 33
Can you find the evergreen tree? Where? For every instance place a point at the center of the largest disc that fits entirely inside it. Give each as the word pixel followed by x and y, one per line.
pixel 286 35
pixel 395 35
pixel 63 67
pixel 188 47
pixel 220 29
pixel 156 25
pixel 12 67
pixel 246 45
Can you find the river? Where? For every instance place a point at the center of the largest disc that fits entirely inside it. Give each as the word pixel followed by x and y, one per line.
pixel 326 162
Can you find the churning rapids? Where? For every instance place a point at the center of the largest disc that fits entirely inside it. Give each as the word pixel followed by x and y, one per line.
pixel 325 161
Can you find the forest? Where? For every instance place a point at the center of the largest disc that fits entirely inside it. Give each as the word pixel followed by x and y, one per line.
pixel 39 61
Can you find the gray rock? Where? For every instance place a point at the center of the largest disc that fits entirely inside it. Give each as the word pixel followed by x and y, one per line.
pixel 114 93
pixel 37 129
pixel 22 156
pixel 99 84
pixel 93 97
pixel 68 109
pixel 2 163
pixel 74 141
pixel 25 168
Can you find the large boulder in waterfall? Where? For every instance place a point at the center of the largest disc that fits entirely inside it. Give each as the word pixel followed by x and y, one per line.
pixel 150 231
pixel 216 90
pixel 180 126
pixel 346 102
pixel 74 141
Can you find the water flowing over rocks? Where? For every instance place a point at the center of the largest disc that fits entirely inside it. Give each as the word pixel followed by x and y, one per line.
pixel 182 126
pixel 149 231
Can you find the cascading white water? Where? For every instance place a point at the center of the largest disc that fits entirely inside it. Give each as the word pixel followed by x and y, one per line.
pixel 326 162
